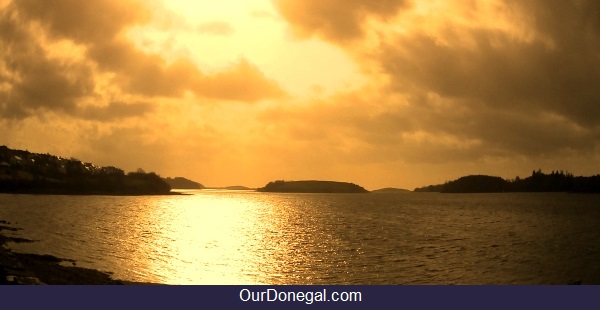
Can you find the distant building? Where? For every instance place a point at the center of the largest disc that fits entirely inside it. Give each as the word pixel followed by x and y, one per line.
pixel 15 160
pixel 5 168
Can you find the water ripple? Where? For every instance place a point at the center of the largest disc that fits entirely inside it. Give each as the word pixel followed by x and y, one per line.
pixel 246 237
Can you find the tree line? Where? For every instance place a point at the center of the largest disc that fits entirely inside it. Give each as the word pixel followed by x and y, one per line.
pixel 26 172
pixel 556 181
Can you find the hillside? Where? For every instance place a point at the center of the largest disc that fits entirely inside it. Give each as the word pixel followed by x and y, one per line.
pixel 237 188
pixel 390 190
pixel 312 186
pixel 33 173
pixel 183 183
pixel 537 182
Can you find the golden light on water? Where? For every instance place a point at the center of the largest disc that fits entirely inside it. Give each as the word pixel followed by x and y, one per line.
pixel 208 239
pixel 220 237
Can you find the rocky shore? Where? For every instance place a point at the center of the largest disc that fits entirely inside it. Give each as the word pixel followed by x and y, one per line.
pixel 34 269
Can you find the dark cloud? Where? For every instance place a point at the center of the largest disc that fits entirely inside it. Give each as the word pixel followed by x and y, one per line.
pixel 337 20
pixel 369 127
pixel 518 97
pixel 31 79
pixel 500 72
pixel 572 25
pixel 85 22
pixel 141 73
pixel 38 82
pixel 35 82
pixel 115 111
pixel 471 91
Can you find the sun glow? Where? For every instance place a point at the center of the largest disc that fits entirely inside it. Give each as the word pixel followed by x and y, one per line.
pixel 217 34
pixel 214 240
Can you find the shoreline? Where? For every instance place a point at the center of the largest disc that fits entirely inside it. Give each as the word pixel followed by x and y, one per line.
pixel 54 193
pixel 34 269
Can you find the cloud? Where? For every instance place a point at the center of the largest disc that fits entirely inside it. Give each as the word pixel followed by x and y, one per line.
pixel 216 28
pixel 450 86
pixel 31 79
pixel 529 97
pixel 149 75
pixel 85 22
pixel 141 73
pixel 498 72
pixel 369 127
pixel 61 55
pixel 336 20
pixel 242 81
pixel 115 111
pixel 500 79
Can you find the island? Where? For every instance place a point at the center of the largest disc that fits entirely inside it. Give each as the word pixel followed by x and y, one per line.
pixel 390 190
pixel 237 188
pixel 183 183
pixel 230 188
pixel 311 186
pixel 23 172
pixel 556 181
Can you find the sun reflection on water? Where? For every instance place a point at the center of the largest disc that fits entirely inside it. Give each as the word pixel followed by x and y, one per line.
pixel 220 237
pixel 207 238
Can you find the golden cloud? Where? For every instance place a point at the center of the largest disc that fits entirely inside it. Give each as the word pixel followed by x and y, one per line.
pixel 336 20
pixel 491 78
pixel 107 70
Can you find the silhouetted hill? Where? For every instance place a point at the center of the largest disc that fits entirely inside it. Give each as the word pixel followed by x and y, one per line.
pixel 537 182
pixel 312 186
pixel 183 183
pixel 238 188
pixel 430 188
pixel 231 188
pixel 477 184
pixel 390 190
pixel 33 173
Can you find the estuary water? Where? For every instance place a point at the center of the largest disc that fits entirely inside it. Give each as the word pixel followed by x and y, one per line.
pixel 246 237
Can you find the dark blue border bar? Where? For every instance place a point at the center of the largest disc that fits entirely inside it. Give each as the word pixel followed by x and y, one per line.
pixel 226 297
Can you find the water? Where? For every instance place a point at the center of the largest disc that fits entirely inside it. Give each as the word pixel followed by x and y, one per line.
pixel 233 237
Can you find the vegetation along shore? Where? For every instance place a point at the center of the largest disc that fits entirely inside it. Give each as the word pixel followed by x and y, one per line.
pixel 556 181
pixel 32 173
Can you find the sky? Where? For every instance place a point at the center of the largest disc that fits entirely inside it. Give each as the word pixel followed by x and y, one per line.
pixel 389 93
